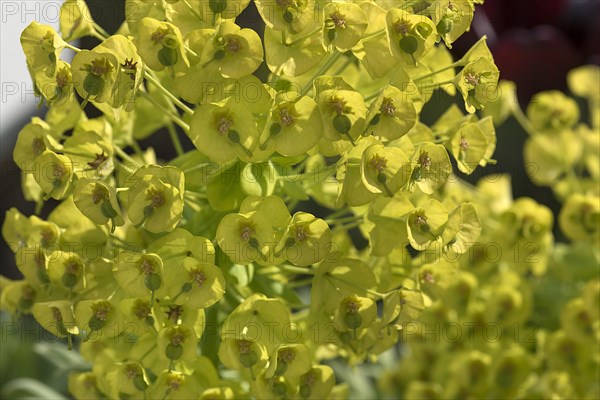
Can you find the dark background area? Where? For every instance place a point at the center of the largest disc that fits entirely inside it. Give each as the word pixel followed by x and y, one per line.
pixel 534 42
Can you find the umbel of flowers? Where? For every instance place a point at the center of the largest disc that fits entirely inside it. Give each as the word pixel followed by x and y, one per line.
pixel 205 276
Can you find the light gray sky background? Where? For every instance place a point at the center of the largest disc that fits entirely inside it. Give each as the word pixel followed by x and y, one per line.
pixel 17 99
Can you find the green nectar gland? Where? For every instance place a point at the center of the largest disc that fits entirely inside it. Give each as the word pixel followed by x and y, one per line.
pixel 217 6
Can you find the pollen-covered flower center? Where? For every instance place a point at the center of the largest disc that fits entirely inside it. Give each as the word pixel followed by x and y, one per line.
pixel 141 309
pixel 352 306
pixel 146 267
pixel 463 144
pixel 72 267
pixel 100 67
pixel 244 346
pixel 131 371
pixel 339 20
pixel 425 160
pixel 198 277
pixel 285 117
pixel 156 197
pixel 310 378
pixel 177 339
pixel 472 79
pixel 48 235
pixel 56 314
pixel 174 313
pixel 402 26
pixel 338 105
pixel 378 163
pixel 301 233
pixel 246 232
pixel 387 107
pixel 421 220
pixel 38 146
pixel 99 193
pixel 174 383
pixel 232 45
pixel 158 35
pixel 428 277
pixel 224 124
pixel 287 355
pixel 63 78
pixel 89 381
pixel 101 310
pixel 28 292
pixel 59 171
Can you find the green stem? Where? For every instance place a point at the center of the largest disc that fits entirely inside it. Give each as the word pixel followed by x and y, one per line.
pixel 324 68
pixel 187 3
pixel 436 85
pixel 98 36
pixel 170 95
pixel 340 221
pixel 100 30
pixel 372 35
pixel 303 38
pixel 121 153
pixel 175 139
pixel 136 147
pixel 438 71
pixel 70 47
pixel 184 125
pixel 523 120
pixel 341 69
pixel 297 270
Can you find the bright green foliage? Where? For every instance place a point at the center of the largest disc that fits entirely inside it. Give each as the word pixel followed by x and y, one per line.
pixel 213 275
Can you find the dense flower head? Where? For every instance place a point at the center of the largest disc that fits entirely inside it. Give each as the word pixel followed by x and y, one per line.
pixel 316 219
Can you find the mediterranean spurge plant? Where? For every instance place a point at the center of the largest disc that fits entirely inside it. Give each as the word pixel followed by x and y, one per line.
pixel 211 275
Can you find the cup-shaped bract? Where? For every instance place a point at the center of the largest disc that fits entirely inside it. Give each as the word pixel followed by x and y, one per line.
pixel 343 25
pixel 160 45
pixel 306 241
pixel 392 114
